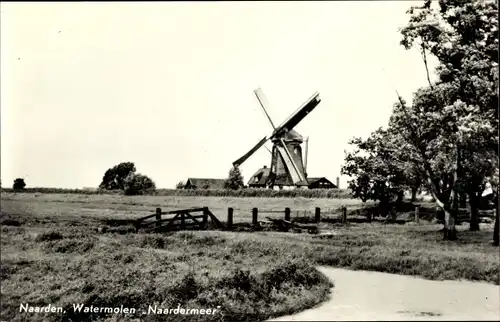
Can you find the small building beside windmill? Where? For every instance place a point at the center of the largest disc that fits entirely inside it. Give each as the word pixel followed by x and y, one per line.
pixel 260 179
pixel 320 183
pixel 204 183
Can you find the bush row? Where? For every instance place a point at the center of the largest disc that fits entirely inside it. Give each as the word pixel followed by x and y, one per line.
pixel 248 192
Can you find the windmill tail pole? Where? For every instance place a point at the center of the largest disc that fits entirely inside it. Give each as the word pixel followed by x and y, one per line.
pixel 305 159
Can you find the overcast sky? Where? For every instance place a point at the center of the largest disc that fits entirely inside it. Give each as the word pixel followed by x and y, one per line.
pixel 169 86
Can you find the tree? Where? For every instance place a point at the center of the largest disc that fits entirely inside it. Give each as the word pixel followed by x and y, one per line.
pixel 234 180
pixel 496 230
pixel 114 178
pixel 180 185
pixel 494 182
pixel 19 184
pixel 370 166
pixel 478 170
pixel 137 184
pixel 452 123
pixel 424 129
pixel 381 169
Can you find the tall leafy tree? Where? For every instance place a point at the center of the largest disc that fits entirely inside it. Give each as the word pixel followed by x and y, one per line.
pixel 114 178
pixel 453 123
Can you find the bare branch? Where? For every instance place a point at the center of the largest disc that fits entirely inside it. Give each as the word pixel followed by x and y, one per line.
pixel 424 57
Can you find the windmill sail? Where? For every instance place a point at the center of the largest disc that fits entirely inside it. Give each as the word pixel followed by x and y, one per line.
pixel 299 114
pixel 249 153
pixel 294 171
pixel 264 103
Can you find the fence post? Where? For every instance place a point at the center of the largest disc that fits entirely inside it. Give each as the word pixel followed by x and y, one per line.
pixel 183 221
pixel 205 217
pixel 394 215
pixel 229 218
pixel 344 215
pixel 158 217
pixel 417 210
pixel 287 214
pixel 255 213
pixel 317 214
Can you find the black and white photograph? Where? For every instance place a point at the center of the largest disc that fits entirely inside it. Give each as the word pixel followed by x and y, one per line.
pixel 249 161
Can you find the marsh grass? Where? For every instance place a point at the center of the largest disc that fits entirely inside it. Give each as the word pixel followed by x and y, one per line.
pixel 55 254
pixel 74 265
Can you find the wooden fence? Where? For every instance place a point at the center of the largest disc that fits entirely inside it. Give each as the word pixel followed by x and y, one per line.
pixel 202 218
pixel 179 220
pixel 360 215
pixel 462 216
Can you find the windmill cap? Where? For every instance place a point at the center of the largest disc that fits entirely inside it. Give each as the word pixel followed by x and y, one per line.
pixel 292 135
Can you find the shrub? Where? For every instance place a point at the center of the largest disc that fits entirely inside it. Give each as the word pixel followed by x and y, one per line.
pixel 151 241
pixel 69 246
pixel 114 178
pixel 138 184
pixel 10 222
pixel 248 192
pixel 48 236
pixel 296 272
pixel 19 184
pixel 187 289
pixel 126 229
pixel 240 279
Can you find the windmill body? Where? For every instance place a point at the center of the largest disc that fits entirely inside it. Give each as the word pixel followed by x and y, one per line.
pixel 287 168
pixel 279 165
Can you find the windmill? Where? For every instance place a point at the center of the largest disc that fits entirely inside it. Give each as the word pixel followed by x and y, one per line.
pixel 287 166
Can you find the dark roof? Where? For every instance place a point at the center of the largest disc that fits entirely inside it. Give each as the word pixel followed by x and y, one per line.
pixel 264 175
pixel 205 182
pixel 312 180
pixel 292 135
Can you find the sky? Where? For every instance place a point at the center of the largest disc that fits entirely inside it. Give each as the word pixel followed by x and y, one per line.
pixel 169 85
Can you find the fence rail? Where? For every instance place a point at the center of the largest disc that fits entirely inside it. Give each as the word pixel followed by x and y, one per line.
pixel 189 219
pixel 182 219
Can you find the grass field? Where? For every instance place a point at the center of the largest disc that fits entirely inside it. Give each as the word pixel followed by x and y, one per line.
pixel 76 206
pixel 52 253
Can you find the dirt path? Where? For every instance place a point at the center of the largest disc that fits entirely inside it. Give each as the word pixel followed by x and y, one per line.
pixel 362 295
